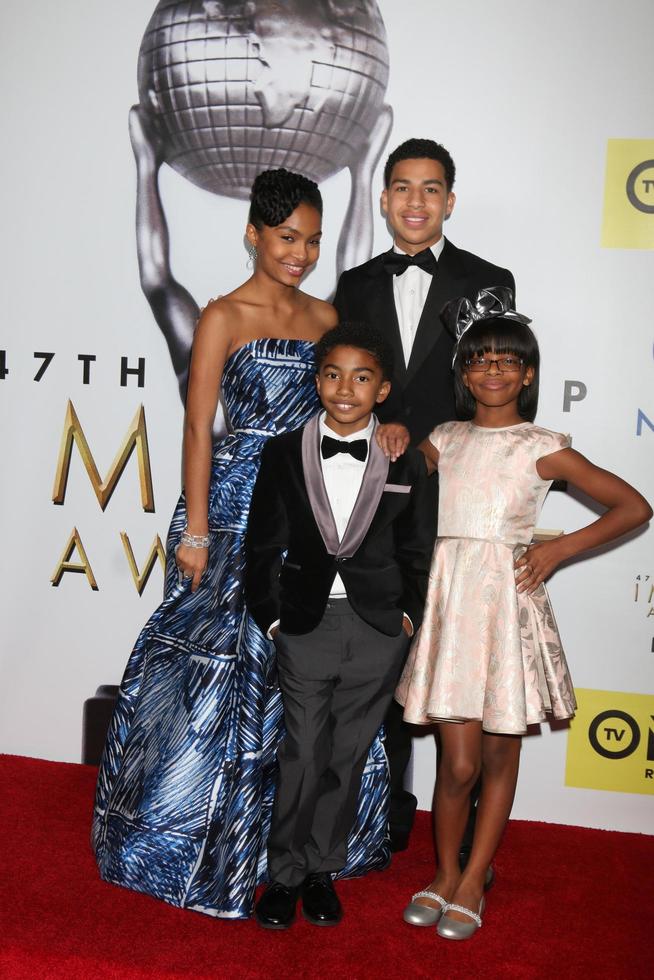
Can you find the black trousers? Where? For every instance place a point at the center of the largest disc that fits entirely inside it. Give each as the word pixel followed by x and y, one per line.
pixel 399 745
pixel 337 682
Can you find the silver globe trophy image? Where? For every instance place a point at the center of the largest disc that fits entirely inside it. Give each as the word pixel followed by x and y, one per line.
pixel 229 88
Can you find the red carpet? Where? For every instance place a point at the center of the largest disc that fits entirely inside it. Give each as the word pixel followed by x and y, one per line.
pixel 567 903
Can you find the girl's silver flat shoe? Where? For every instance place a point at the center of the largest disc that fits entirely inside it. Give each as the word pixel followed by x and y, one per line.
pixel 453 929
pixel 424 915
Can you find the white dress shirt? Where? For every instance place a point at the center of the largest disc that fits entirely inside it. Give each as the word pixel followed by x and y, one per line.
pixel 410 293
pixel 342 474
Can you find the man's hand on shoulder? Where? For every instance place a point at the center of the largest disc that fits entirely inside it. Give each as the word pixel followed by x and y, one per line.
pixel 393 440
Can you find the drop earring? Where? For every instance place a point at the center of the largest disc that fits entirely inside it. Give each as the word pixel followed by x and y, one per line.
pixel 252 253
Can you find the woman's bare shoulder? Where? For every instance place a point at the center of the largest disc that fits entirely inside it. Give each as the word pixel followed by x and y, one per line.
pixel 218 326
pixel 322 312
pixel 226 313
pixel 220 306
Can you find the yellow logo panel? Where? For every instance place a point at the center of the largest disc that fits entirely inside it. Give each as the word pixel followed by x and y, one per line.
pixel 611 742
pixel 629 195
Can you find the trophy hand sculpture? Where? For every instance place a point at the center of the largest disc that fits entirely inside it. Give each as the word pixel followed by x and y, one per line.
pixel 228 88
pixel 355 241
pixel 173 307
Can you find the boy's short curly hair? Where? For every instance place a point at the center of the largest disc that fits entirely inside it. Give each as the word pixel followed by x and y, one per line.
pixel 276 193
pixel 419 149
pixel 357 334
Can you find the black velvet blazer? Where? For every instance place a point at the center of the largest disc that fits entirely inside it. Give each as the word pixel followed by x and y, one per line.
pixel 383 557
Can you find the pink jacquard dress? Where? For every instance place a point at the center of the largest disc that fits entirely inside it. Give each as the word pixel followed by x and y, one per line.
pixel 485 651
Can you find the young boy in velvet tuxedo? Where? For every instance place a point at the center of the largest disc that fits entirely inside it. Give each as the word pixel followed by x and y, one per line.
pixel 337 563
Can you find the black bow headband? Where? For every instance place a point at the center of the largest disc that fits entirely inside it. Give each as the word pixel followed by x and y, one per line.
pixel 495 301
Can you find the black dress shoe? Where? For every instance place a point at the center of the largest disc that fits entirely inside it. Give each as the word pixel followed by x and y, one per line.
pixel 320 904
pixel 276 907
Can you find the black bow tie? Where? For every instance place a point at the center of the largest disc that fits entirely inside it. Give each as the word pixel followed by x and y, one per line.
pixel 396 263
pixel 357 448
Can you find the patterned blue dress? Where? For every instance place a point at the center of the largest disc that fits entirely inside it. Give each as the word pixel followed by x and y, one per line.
pixel 187 779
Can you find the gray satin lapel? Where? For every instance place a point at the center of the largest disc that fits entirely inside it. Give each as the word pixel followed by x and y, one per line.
pixel 315 484
pixel 367 502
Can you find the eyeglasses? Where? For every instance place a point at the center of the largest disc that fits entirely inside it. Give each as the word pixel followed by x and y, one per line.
pixel 503 364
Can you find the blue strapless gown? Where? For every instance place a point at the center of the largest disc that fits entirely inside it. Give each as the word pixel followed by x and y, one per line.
pixel 187 779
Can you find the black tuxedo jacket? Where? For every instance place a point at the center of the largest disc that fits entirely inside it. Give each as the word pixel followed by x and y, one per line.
pixel 383 557
pixel 422 395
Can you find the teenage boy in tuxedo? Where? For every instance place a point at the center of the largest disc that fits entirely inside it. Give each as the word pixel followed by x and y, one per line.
pixel 402 292
pixel 337 564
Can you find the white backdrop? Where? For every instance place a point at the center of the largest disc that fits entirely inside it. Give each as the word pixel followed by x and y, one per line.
pixel 525 95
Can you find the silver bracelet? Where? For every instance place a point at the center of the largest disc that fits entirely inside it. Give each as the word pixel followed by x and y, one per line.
pixel 194 540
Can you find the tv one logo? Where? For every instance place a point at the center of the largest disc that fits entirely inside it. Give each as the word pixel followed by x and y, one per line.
pixel 628 220
pixel 611 742
pixel 615 734
pixel 640 187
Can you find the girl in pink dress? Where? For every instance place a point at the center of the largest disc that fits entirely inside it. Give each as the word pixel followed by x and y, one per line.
pixel 487 660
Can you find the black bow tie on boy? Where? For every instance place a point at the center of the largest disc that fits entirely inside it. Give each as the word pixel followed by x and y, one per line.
pixel 396 263
pixel 357 448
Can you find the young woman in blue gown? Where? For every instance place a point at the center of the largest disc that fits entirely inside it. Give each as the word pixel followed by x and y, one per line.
pixel 188 774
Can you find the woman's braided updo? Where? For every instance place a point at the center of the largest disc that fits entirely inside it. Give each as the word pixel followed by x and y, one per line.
pixel 276 194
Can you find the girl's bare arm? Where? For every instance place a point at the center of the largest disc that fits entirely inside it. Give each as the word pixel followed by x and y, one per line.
pixel 626 509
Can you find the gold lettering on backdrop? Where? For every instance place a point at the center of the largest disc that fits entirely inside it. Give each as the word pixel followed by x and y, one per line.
pixel 66 565
pixel 156 551
pixel 136 436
